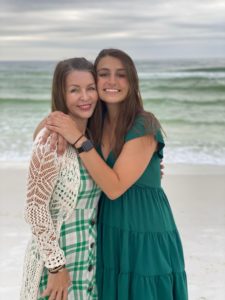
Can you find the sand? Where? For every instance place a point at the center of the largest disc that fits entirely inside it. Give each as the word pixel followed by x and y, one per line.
pixel 197 198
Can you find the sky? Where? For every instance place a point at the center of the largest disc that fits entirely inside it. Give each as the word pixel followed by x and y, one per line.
pixel 146 29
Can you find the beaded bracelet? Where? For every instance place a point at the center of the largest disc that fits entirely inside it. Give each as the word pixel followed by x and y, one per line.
pixel 57 269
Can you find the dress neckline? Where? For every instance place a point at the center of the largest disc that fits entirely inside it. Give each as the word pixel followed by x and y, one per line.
pixel 101 153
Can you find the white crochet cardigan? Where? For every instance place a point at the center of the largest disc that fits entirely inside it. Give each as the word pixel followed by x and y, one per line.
pixel 52 190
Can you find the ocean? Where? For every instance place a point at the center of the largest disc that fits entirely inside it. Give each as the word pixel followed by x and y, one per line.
pixel 187 96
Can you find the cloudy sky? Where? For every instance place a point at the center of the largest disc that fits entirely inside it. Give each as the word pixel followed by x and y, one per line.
pixel 56 29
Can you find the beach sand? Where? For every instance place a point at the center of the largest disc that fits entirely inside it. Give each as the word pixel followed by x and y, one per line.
pixel 197 198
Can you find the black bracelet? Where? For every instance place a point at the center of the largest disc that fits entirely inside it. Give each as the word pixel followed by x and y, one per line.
pixel 77 140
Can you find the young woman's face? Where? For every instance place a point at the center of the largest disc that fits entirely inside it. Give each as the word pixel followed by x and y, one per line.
pixel 112 82
pixel 81 94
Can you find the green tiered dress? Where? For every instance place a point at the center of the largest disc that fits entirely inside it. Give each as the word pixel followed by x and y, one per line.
pixel 140 255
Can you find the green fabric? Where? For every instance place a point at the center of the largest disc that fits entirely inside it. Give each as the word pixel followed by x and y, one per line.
pixel 140 255
pixel 78 241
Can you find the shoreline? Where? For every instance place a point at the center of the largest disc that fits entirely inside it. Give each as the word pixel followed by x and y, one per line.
pixel 171 168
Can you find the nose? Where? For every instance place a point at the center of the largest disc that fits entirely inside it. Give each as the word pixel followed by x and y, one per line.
pixel 112 79
pixel 84 95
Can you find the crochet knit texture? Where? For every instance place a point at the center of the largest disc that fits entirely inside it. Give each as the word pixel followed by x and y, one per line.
pixel 52 188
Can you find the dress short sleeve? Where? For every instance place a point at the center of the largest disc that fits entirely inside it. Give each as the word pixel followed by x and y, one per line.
pixel 139 129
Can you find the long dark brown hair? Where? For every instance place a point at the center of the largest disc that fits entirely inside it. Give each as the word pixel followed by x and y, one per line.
pixel 130 108
pixel 62 70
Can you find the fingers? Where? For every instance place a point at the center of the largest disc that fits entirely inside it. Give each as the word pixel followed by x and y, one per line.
pixel 57 287
pixel 59 296
pixel 45 136
pixel 161 169
pixel 46 292
pixel 55 118
pixel 65 294
pixel 62 144
pixel 53 141
pixel 54 295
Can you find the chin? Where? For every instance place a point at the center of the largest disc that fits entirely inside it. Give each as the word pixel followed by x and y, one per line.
pixel 112 100
pixel 86 115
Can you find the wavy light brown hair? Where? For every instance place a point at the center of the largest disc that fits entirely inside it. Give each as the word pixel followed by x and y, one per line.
pixel 62 70
pixel 130 108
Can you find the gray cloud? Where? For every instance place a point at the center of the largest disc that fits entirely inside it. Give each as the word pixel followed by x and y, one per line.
pixel 52 29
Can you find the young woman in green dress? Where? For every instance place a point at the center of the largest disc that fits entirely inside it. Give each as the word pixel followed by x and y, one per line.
pixel 62 199
pixel 140 254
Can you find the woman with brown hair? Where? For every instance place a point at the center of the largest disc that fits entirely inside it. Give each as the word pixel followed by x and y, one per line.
pixel 62 199
pixel 140 254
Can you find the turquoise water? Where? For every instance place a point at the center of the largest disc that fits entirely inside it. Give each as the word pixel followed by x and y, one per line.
pixel 188 97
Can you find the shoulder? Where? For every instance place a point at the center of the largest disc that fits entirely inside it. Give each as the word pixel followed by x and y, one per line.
pixel 44 151
pixel 144 124
pixel 136 129
pixel 40 135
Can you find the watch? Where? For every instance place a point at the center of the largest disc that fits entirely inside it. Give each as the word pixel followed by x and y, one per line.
pixel 85 147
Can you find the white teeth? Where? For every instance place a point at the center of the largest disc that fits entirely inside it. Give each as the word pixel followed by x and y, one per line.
pixel 111 90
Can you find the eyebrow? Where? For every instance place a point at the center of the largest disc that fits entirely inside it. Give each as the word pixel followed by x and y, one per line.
pixel 107 69
pixel 76 85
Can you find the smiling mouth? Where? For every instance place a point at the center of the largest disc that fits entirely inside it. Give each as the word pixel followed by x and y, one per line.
pixel 111 90
pixel 85 106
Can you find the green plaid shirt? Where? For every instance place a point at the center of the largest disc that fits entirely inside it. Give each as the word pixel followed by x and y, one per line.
pixel 78 241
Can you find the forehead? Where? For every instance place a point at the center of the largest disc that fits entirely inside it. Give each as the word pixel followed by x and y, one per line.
pixel 79 78
pixel 111 63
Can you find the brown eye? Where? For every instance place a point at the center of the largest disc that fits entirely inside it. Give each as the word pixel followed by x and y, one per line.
pixel 92 88
pixel 103 74
pixel 74 90
pixel 122 75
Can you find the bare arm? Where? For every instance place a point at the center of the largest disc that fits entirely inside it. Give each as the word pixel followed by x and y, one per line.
pixel 131 163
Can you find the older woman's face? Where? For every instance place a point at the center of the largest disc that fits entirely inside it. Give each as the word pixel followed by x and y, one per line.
pixel 81 94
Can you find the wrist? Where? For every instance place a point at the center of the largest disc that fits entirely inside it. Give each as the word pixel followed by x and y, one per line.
pixel 79 143
pixel 84 145
pixel 77 140
pixel 56 269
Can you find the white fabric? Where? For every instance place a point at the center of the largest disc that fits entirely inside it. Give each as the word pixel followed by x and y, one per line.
pixel 52 190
